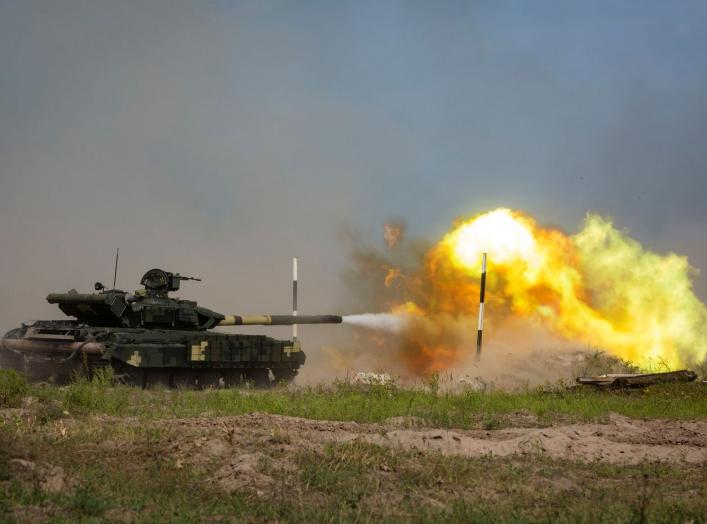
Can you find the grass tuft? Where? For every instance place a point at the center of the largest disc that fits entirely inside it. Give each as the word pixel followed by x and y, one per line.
pixel 13 387
pixel 551 404
pixel 87 502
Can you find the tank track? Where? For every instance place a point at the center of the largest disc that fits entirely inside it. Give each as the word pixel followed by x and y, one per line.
pixel 60 370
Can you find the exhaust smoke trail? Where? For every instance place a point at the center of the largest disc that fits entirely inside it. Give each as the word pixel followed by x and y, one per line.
pixel 388 322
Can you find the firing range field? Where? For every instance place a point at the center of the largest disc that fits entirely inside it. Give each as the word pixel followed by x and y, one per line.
pixel 99 452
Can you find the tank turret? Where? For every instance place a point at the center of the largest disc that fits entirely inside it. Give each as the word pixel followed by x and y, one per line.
pixel 152 307
pixel 149 307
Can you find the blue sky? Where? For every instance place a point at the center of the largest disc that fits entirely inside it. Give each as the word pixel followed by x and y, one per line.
pixel 220 138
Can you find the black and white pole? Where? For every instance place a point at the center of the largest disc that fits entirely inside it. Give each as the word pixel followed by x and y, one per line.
pixel 294 296
pixel 482 292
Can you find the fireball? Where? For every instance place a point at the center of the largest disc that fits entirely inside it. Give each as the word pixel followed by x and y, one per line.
pixel 597 288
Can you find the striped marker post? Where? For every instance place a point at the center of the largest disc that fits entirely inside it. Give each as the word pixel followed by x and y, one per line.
pixel 294 296
pixel 482 292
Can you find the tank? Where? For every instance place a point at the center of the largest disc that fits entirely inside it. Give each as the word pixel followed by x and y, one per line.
pixel 148 337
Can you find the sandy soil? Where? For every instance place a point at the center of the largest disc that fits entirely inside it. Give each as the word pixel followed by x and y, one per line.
pixel 622 440
pixel 254 453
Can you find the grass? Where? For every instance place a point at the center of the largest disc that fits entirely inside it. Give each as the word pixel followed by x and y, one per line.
pixel 440 488
pixel 120 447
pixel 359 482
pixel 341 401
pixel 12 387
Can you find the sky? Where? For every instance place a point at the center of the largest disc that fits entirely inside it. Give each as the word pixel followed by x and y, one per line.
pixel 219 139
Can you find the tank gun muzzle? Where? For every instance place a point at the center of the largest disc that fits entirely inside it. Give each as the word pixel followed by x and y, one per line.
pixel 278 320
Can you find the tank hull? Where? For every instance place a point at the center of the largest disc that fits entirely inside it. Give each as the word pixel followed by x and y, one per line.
pixel 55 351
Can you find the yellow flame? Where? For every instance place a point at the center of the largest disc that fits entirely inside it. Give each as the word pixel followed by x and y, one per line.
pixel 407 308
pixel 598 287
pixel 507 239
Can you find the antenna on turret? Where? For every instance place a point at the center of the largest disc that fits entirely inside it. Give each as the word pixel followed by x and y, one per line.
pixel 115 272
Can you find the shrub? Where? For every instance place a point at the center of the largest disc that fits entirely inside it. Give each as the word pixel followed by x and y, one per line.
pixel 13 387
pixel 87 502
pixel 97 394
pixel 103 377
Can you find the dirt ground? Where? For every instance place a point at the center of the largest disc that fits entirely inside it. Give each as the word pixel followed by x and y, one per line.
pixel 621 441
pixel 238 443
pixel 255 455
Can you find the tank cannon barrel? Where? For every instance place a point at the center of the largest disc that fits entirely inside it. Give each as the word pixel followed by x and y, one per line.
pixel 278 320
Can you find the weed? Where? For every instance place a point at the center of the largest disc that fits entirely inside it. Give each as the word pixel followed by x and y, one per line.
pixel 103 377
pixel 13 387
pixel 49 411
pixel 491 422
pixel 86 501
pixel 97 394
pixel 432 383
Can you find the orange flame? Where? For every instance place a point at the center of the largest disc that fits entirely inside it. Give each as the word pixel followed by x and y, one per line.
pixel 598 288
pixel 393 273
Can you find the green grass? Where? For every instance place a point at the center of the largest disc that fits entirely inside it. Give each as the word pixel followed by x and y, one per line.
pixel 359 482
pixel 124 465
pixel 341 401
pixel 12 388
pixel 437 488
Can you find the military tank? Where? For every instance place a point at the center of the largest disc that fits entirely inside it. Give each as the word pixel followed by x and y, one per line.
pixel 148 337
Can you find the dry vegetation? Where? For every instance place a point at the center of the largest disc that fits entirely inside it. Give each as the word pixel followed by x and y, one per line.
pixel 93 451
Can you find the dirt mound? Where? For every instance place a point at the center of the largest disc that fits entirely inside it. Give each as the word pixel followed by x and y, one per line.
pixel 44 476
pixel 587 443
pixel 621 440
pixel 243 471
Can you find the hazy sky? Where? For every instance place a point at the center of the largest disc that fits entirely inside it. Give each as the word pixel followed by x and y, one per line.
pixel 221 138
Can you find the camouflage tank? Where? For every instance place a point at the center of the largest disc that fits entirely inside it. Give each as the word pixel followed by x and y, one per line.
pixel 148 337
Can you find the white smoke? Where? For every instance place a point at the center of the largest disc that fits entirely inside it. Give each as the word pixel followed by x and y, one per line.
pixel 390 322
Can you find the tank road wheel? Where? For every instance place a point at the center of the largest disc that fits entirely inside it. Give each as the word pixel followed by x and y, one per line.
pixel 285 375
pixel 259 376
pixel 140 377
pixel 234 378
pixel 184 378
pixel 209 378
pixel 156 377
pixel 126 374
pixel 188 378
